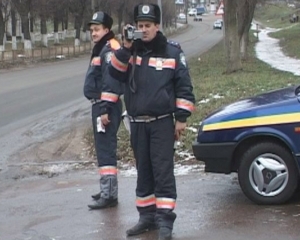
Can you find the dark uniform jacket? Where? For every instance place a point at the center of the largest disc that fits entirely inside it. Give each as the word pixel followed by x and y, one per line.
pixel 97 77
pixel 160 84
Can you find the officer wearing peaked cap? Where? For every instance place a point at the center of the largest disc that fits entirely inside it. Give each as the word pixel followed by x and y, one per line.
pixel 159 99
pixel 106 108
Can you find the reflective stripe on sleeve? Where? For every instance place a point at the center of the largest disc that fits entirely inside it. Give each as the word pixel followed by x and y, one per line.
pixel 109 97
pixel 185 104
pixel 122 67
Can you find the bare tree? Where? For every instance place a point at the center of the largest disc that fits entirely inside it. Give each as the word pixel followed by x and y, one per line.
pixel 43 11
pixel 246 10
pixel 65 19
pixel 78 8
pixel 13 28
pixel 169 12
pixel 118 8
pixel 4 15
pixel 23 8
pixel 2 27
pixel 231 36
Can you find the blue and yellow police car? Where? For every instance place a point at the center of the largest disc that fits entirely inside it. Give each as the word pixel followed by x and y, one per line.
pixel 259 138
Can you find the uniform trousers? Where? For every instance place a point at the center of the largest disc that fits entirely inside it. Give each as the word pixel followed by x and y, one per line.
pixel 153 147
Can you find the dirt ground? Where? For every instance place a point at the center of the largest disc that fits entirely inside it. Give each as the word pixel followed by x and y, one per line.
pixel 62 152
pixel 71 150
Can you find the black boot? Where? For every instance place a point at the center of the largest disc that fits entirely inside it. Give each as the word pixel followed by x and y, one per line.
pixel 165 233
pixel 96 196
pixel 141 227
pixel 104 203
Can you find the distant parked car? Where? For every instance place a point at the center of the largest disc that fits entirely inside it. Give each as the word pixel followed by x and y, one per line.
pixel 192 12
pixel 217 25
pixel 220 20
pixel 181 16
pixel 200 10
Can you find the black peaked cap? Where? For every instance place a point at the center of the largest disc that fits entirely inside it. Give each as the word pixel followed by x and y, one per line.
pixel 102 18
pixel 149 12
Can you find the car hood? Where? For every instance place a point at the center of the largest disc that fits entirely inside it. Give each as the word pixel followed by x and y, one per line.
pixel 276 98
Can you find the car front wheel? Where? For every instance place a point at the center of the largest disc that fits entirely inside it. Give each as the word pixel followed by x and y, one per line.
pixel 268 173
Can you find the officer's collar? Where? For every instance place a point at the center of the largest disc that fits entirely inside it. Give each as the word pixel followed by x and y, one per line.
pixel 99 45
pixel 157 45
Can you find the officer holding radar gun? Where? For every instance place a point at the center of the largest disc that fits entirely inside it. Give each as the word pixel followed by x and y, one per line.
pixel 159 99
pixel 106 108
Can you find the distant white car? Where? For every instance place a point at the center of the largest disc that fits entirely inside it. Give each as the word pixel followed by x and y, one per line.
pixel 218 25
pixel 220 20
pixel 192 12
pixel 181 16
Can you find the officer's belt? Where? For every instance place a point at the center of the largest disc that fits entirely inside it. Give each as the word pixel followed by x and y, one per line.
pixel 94 101
pixel 147 119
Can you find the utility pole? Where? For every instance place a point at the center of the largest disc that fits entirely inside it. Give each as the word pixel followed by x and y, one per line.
pixel 161 22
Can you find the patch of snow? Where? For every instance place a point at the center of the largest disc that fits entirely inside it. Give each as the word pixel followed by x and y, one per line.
pixel 217 96
pixel 194 130
pixel 204 100
pixel 60 56
pixel 276 58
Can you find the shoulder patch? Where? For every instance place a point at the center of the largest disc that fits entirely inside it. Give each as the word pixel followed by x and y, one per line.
pixel 182 59
pixel 108 56
pixel 175 44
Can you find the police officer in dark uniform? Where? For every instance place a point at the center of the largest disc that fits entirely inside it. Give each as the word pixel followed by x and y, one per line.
pixel 159 99
pixel 106 108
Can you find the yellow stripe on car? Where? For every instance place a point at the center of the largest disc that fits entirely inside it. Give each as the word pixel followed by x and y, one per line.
pixel 254 121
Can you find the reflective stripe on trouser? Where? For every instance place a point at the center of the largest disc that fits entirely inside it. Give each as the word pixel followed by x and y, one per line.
pixel 153 144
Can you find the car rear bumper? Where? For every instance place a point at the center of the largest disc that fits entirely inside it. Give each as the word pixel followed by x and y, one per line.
pixel 216 156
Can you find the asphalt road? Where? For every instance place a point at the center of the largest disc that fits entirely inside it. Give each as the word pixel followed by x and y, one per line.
pixel 39 101
pixel 210 207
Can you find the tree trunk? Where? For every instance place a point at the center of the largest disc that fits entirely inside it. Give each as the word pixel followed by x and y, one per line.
pixel 2 30
pixel 244 45
pixel 120 20
pixel 78 23
pixel 25 27
pixel 120 13
pixel 66 24
pixel 56 37
pixel 245 15
pixel 44 32
pixel 31 24
pixel 233 59
pixel 13 29
pixel 83 33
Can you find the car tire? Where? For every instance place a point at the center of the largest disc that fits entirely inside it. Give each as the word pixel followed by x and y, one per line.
pixel 268 173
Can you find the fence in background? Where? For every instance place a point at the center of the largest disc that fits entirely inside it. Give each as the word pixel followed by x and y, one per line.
pixel 43 53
